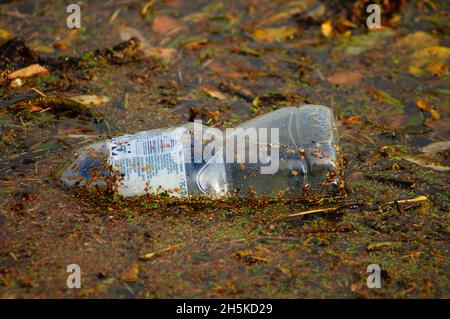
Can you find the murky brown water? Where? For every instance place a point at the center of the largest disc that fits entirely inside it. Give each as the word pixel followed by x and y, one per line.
pixel 389 90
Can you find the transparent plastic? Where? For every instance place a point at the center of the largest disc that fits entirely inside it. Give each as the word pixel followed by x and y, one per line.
pixel 307 159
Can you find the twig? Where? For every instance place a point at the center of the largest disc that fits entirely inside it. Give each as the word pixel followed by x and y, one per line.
pixel 308 212
pixel 153 254
pixel 417 199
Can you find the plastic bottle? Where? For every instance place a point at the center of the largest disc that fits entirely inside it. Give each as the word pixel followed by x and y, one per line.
pixel 296 151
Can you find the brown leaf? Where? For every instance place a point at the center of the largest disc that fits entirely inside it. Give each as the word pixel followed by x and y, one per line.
pixel 345 78
pixel 224 71
pixel 34 108
pixel 165 24
pixel 131 274
pixel 66 41
pixel 238 90
pixel 197 44
pixel 160 52
pixel 27 72
pixel 214 93
pixel 395 122
pixel 437 68
pixel 351 120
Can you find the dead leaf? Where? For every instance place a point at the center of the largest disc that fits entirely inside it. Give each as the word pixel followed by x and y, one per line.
pixel 90 99
pixel 126 33
pixel 386 97
pixel 434 148
pixel 378 245
pixel 196 44
pixel 165 24
pixel 345 78
pixel 424 106
pixel 160 52
pixel 34 108
pixel 352 120
pixel 425 162
pixel 131 274
pixel 66 41
pixel 284 271
pixel 435 114
pixel 417 40
pixel 437 68
pixel 43 48
pixel 4 34
pixel 214 93
pixel 28 71
pixel 147 7
pixel 327 28
pixel 251 258
pixel 275 34
pixel 224 70
pixel 396 121
pixel 421 59
pixel 238 90
pixel 284 15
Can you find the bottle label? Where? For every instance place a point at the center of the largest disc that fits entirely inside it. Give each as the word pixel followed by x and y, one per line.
pixel 149 162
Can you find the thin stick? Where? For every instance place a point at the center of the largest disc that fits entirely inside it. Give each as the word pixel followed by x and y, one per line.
pixel 308 212
pixel 149 256
pixel 417 199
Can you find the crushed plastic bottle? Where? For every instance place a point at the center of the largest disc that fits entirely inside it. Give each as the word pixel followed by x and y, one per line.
pixel 281 153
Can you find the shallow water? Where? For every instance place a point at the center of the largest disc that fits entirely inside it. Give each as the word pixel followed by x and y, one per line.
pixel 225 69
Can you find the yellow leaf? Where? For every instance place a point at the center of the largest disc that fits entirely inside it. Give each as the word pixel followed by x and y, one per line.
pixel 417 40
pixel 423 57
pixel 90 99
pixel 275 34
pixel 423 105
pixel 4 34
pixel 43 48
pixel 327 28
pixel 435 114
pixel 437 68
pixel 378 245
pixel 147 7
pixel 28 71
pixel 415 70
